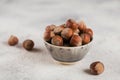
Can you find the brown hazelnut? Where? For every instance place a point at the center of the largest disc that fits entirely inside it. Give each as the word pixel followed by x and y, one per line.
pixel 51 27
pixel 28 44
pixel 67 33
pixel 48 35
pixel 76 32
pixel 13 40
pixel 85 38
pixel 58 29
pixel 57 40
pixel 71 24
pixel 89 31
pixel 76 40
pixel 82 26
pixel 63 25
pixel 97 68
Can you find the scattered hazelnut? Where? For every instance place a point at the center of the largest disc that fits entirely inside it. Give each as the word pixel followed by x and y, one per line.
pixel 67 33
pixel 48 35
pixel 71 24
pixel 76 40
pixel 89 31
pixel 28 44
pixel 85 38
pixel 51 27
pixel 58 29
pixel 81 26
pixel 97 67
pixel 13 40
pixel 57 40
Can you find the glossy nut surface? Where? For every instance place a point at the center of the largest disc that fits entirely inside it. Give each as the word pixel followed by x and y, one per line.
pixel 82 26
pixel 13 40
pixel 76 40
pixel 57 40
pixel 48 35
pixel 85 38
pixel 58 29
pixel 67 33
pixel 28 44
pixel 97 67
pixel 71 24
pixel 89 31
pixel 50 27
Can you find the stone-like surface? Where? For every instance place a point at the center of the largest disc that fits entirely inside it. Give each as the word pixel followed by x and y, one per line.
pixel 28 19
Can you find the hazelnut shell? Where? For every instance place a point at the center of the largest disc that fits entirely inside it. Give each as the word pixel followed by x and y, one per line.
pixel 89 31
pixel 51 27
pixel 28 44
pixel 57 40
pixel 85 38
pixel 82 26
pixel 13 40
pixel 67 33
pixel 71 24
pixel 97 68
pixel 48 35
pixel 76 40
pixel 58 29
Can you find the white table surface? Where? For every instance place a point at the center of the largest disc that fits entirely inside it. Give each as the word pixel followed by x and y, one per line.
pixel 27 19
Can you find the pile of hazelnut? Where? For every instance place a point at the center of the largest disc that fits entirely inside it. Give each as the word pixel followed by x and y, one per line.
pixel 71 33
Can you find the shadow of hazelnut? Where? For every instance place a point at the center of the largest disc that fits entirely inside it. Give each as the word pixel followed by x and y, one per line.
pixel 36 50
pixel 88 71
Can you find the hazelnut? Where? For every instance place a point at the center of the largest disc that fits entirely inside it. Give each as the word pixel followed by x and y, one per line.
pixel 57 40
pixel 76 32
pixel 63 25
pixel 28 44
pixel 97 67
pixel 76 40
pixel 58 29
pixel 51 27
pixel 71 24
pixel 85 38
pixel 48 35
pixel 13 40
pixel 81 26
pixel 89 31
pixel 67 33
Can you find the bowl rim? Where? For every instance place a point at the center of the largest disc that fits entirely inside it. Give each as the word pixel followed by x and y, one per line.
pixel 68 47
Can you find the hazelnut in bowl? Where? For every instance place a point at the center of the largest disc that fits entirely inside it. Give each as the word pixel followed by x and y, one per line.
pixel 68 46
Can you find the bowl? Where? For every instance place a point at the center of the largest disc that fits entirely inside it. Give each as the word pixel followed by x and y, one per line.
pixel 68 54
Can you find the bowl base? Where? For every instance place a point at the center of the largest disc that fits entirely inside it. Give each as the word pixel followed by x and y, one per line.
pixel 66 63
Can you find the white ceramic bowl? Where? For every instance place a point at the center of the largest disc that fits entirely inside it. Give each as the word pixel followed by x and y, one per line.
pixel 68 54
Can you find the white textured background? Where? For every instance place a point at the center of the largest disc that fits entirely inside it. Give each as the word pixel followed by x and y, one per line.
pixel 27 20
